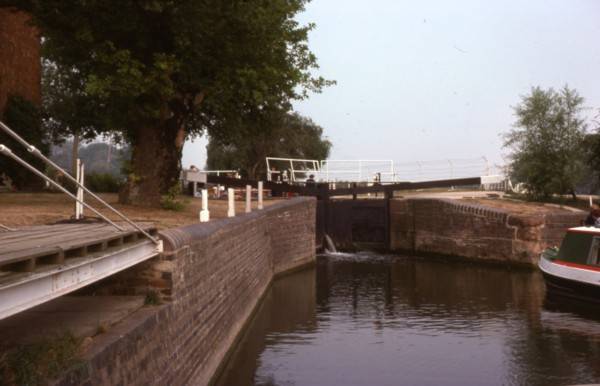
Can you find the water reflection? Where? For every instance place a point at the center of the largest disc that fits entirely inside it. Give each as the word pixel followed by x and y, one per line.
pixel 383 320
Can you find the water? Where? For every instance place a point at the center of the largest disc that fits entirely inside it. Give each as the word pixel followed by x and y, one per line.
pixel 382 320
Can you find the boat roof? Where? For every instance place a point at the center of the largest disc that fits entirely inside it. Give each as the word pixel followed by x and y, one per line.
pixel 583 229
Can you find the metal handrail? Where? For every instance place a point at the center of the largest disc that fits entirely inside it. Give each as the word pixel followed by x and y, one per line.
pixel 6 151
pixel 32 149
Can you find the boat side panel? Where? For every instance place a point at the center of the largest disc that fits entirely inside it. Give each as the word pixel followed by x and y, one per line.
pixel 572 289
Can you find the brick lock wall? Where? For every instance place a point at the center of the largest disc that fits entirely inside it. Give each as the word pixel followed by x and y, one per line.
pixel 217 273
pixel 292 236
pixel 20 66
pixel 455 228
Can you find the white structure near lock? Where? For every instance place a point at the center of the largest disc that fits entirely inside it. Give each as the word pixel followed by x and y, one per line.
pixel 230 202
pixel 80 177
pixel 204 213
pixel 260 195
pixel 248 198
pixel 195 177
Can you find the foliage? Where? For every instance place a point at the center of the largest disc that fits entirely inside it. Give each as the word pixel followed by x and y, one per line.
pixel 23 117
pixel 36 363
pixel 591 144
pixel 102 183
pixel 546 142
pixel 152 298
pixel 191 66
pixel 102 328
pixel 267 133
pixel 170 201
pixel 67 108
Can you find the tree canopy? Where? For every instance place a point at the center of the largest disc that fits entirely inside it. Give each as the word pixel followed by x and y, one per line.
pixel 546 142
pixel 66 108
pixel 591 145
pixel 268 133
pixel 160 71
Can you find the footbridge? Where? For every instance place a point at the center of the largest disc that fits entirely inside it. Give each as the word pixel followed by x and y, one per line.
pixel 40 263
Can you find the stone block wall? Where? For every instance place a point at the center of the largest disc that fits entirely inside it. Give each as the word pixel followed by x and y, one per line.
pixel 457 228
pixel 217 273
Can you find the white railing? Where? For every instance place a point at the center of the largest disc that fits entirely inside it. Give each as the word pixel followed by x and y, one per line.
pixel 384 171
pixel 291 169
pixel 445 169
pixel 357 170
pixel 219 172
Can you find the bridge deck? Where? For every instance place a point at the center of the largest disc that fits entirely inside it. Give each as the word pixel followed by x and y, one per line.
pixel 41 263
pixel 25 249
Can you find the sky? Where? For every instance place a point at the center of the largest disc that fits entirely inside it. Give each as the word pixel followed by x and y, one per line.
pixel 430 80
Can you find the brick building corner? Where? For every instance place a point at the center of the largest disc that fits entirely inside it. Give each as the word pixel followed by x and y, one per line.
pixel 20 63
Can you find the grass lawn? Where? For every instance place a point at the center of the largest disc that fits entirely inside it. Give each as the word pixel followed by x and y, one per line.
pixel 20 209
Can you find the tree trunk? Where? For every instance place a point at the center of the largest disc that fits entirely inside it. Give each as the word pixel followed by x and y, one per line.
pixel 156 163
pixel 252 173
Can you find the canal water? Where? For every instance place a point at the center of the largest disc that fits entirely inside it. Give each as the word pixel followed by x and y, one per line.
pixel 363 319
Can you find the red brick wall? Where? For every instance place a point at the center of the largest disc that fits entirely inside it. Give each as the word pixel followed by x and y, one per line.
pixel 20 67
pixel 217 273
pixel 455 228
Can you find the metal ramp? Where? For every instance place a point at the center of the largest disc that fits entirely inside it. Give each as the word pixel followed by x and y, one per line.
pixel 40 263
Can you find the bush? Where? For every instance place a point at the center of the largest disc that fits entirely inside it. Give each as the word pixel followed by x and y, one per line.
pixel 169 201
pixel 103 183
pixel 35 363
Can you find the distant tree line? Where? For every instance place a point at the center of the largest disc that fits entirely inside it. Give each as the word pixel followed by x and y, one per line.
pixel 275 134
pixel 98 157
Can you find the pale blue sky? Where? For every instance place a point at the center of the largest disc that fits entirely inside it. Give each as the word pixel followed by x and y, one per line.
pixel 424 80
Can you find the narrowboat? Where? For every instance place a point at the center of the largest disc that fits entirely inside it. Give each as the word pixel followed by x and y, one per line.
pixel 574 269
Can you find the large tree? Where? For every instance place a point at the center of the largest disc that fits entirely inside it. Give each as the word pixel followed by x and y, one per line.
pixel 161 71
pixel 267 132
pixel 546 142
